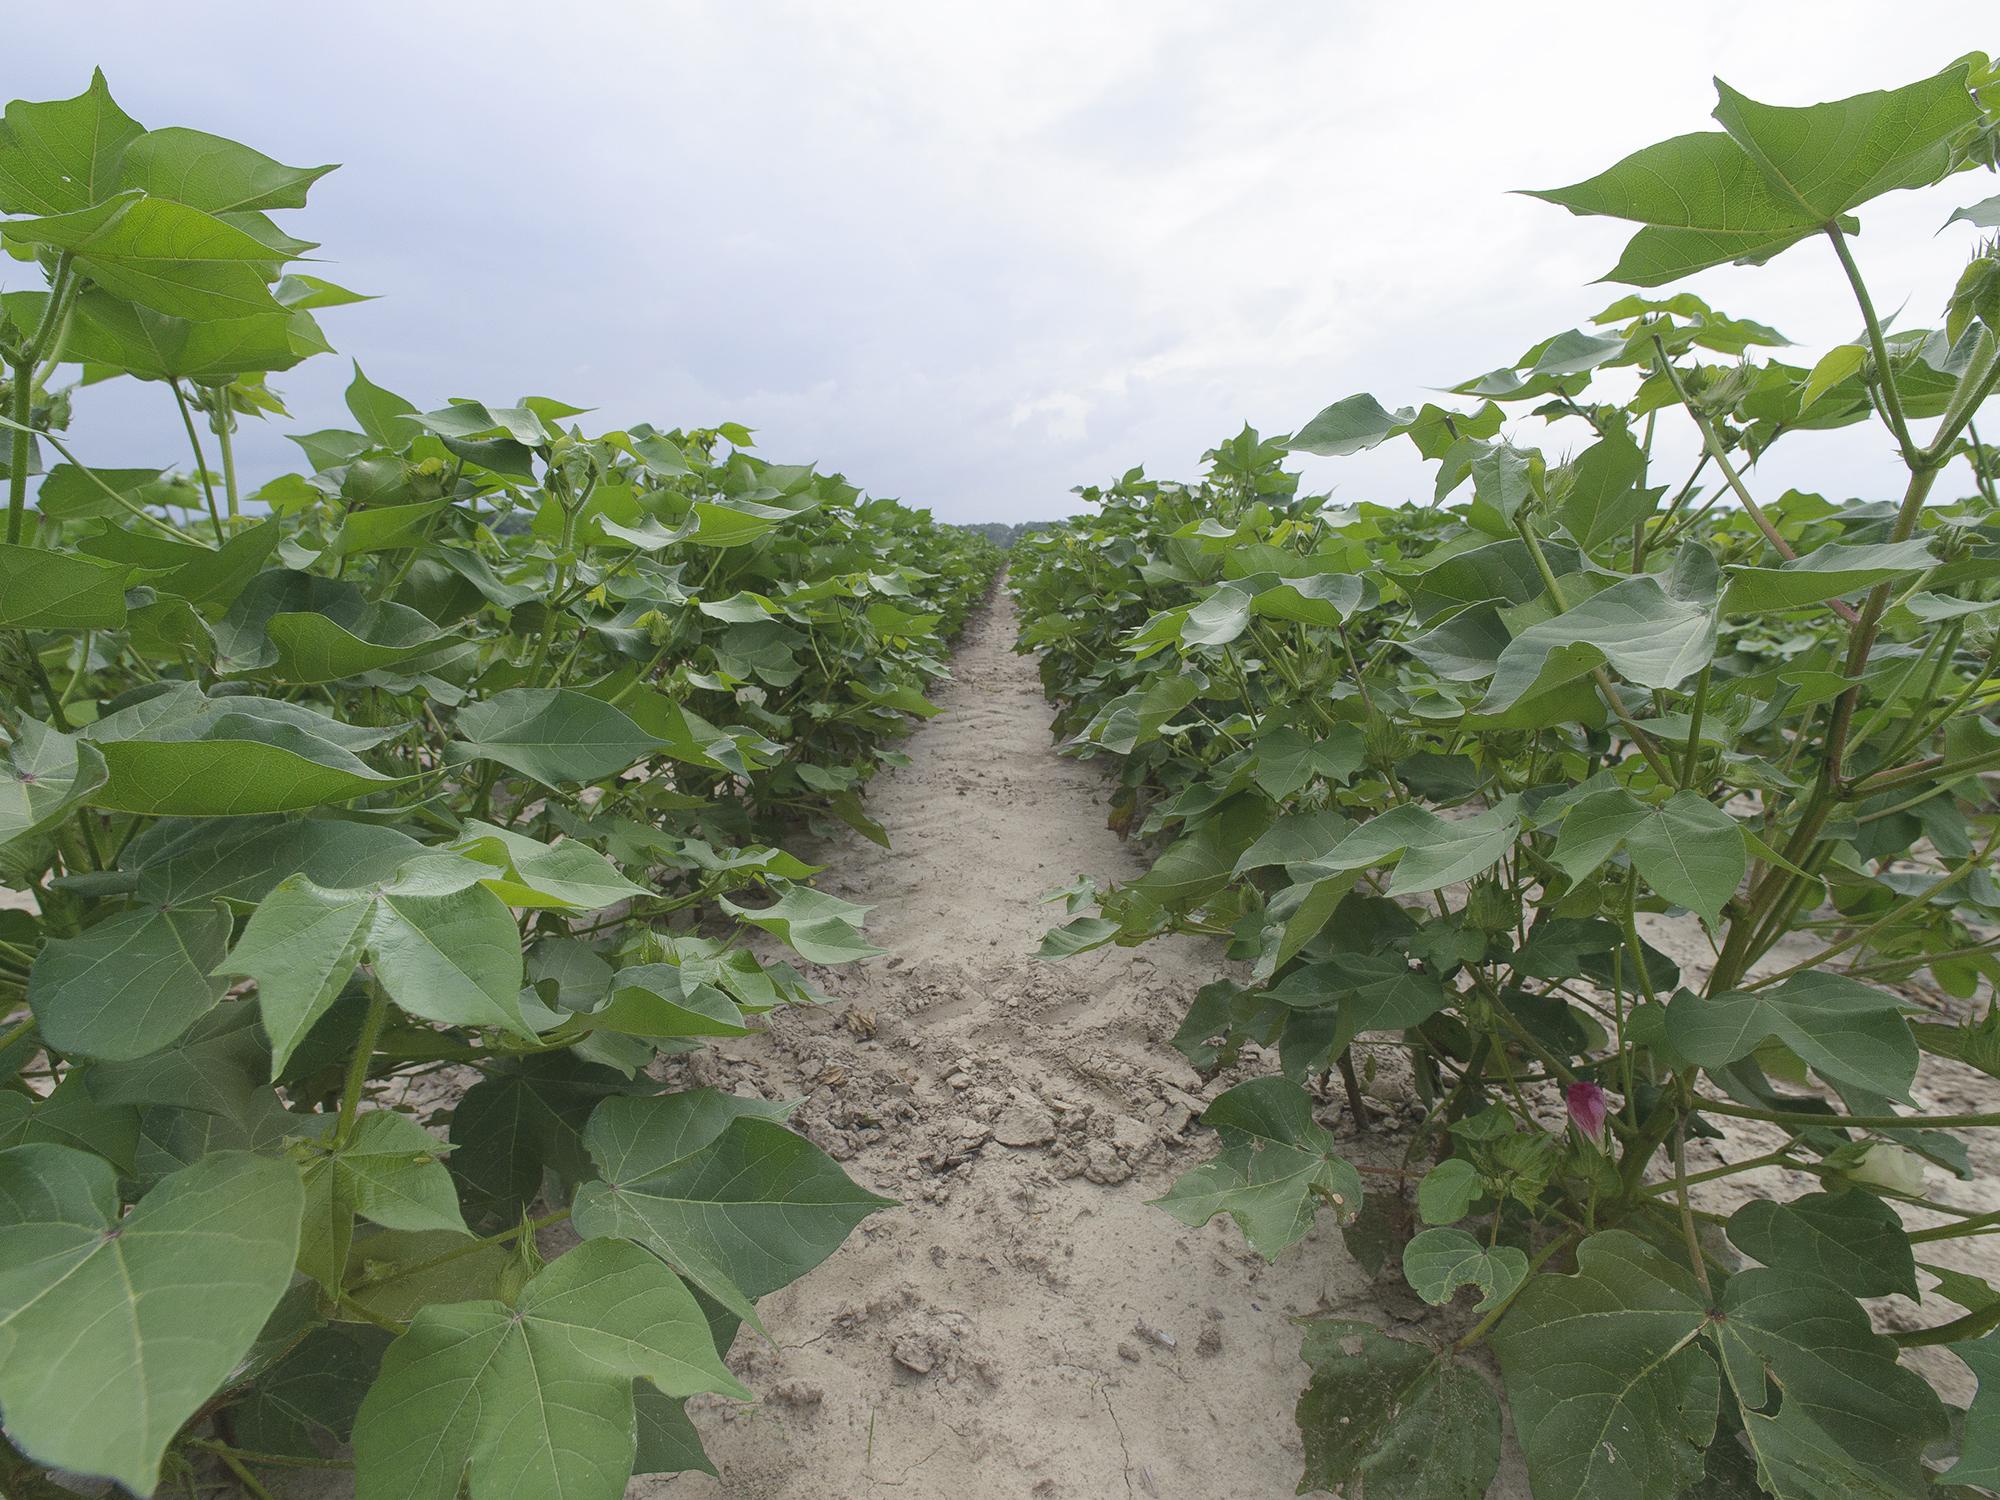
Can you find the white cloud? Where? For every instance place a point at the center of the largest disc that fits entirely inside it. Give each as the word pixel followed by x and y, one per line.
pixel 976 256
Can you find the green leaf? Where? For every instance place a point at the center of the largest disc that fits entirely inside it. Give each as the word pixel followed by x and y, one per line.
pixel 1828 572
pixel 1839 363
pixel 387 1171
pixel 566 876
pixel 164 255
pixel 1602 499
pixel 1276 1167
pixel 212 173
pixel 1429 852
pixel 63 154
pixel 1687 849
pixel 183 754
pixel 1607 1393
pixel 1979 1457
pixel 113 1332
pixel 1849 1032
pixel 1646 635
pixel 43 774
pixel 130 984
pixel 521 1122
pixel 379 413
pixel 1448 1191
pixel 717 1188
pixel 821 929
pixel 1350 425
pixel 536 1398
pixel 668 1443
pixel 552 735
pixel 658 1000
pixel 1853 1240
pixel 314 1390
pixel 1984 214
pixel 1393 1420
pixel 1287 760
pixel 1437 1262
pixel 44 590
pixel 108 330
pixel 1775 177
pixel 1849 1420
pixel 453 957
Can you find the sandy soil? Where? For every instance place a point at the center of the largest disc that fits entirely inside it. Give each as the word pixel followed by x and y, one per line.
pixel 1025 1326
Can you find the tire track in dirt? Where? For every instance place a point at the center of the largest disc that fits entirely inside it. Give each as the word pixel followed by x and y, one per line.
pixel 1025 1325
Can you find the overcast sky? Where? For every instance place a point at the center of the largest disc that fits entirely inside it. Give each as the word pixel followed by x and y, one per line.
pixel 973 256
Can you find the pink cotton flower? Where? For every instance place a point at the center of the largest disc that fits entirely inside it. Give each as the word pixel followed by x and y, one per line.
pixel 1587 1110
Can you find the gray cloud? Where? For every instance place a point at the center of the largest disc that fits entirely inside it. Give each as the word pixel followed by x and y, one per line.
pixel 975 258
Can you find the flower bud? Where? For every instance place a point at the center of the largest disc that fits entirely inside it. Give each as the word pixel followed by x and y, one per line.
pixel 1891 1168
pixel 1588 1111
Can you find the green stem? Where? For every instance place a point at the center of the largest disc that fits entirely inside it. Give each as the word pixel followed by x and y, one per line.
pixel 1688 1232
pixel 357 1066
pixel 1638 736
pixel 17 472
pixel 1480 1329
pixel 268 1460
pixel 224 422
pixel 1802 1120
pixel 200 463
pixel 1885 375
pixel 1894 914
pixel 460 1252
pixel 1971 1326
pixel 1964 1227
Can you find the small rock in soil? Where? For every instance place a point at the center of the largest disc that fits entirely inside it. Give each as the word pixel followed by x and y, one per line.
pixel 1024 1125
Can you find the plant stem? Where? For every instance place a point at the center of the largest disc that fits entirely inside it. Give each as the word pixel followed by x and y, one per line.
pixel 200 463
pixel 268 1460
pixel 1804 1120
pixel 1971 1326
pixel 1687 1216
pixel 1639 737
pixel 225 425
pixel 1892 403
pixel 357 1066
pixel 460 1252
pixel 1894 914
pixel 17 471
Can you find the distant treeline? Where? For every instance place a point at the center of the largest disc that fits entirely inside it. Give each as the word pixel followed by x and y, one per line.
pixel 1005 533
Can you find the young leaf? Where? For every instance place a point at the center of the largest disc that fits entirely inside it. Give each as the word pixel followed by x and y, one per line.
pixel 1437 1262
pixel 1448 1191
pixel 820 928
pixel 1276 1168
